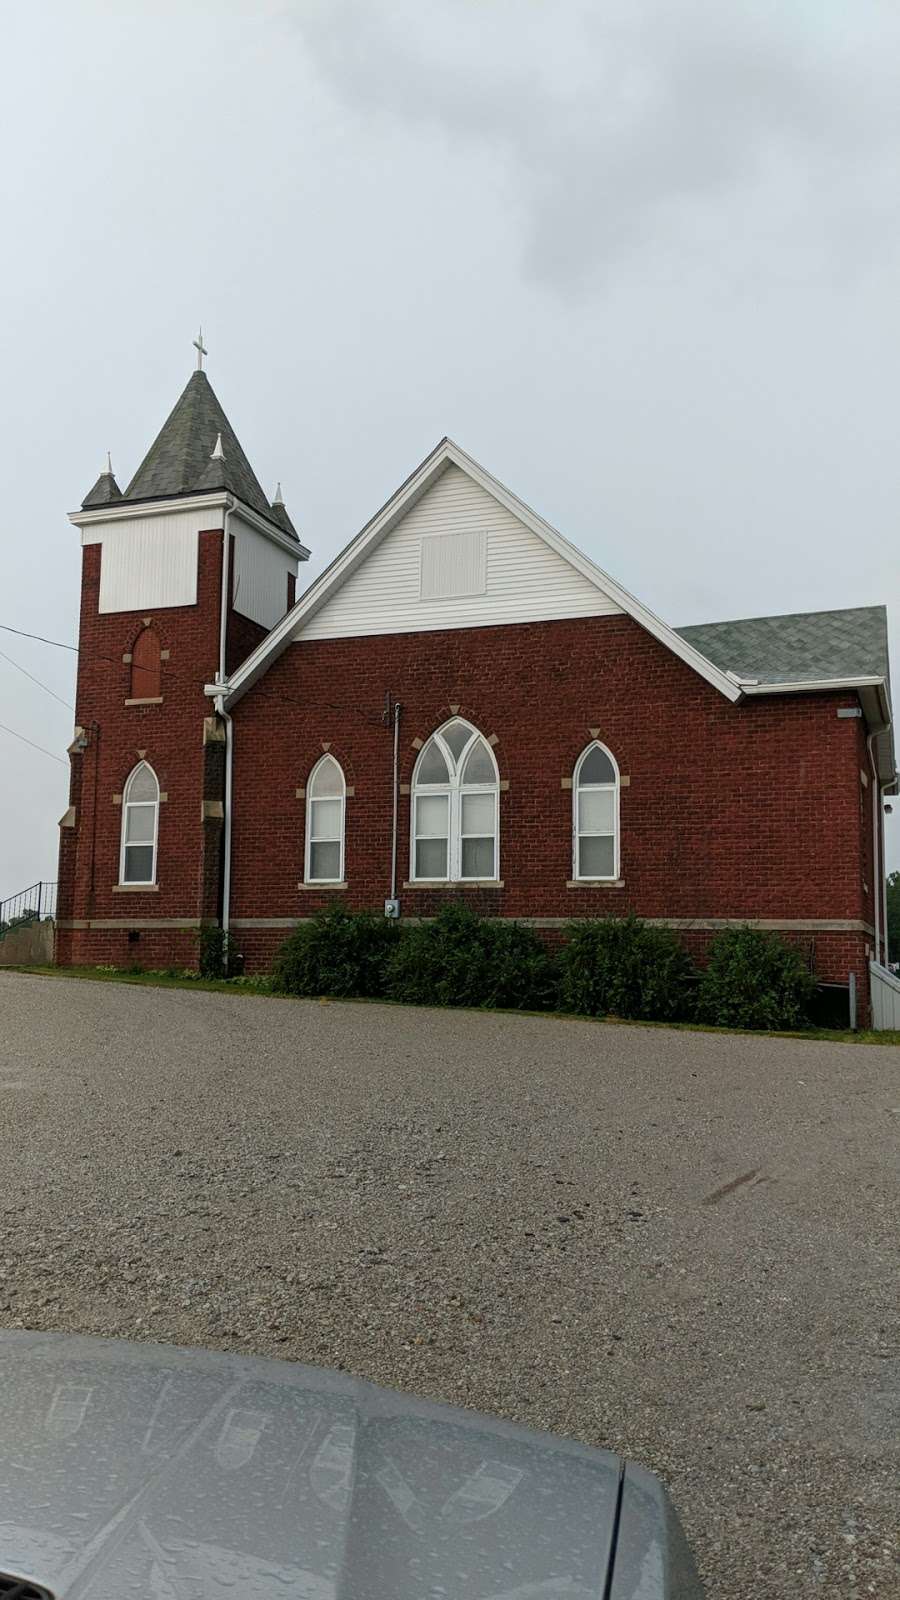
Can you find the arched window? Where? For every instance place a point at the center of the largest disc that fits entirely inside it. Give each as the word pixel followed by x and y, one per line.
pixel 595 818
pixel 454 807
pixel 146 671
pixel 140 826
pixel 325 796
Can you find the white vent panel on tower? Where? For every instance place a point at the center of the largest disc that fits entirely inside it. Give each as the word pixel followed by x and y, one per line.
pixel 261 572
pixel 149 563
pixel 452 564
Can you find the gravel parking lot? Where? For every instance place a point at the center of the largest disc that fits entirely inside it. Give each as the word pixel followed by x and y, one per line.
pixel 682 1246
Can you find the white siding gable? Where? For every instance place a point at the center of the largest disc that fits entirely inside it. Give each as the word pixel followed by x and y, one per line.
pixel 261 570
pixel 457 559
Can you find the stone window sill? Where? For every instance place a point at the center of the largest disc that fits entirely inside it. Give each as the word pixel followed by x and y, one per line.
pixel 135 888
pixel 153 700
pixel 595 883
pixel 444 883
pixel 321 888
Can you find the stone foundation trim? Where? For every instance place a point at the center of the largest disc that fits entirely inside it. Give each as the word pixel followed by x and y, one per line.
pixel 266 922
pixel 699 924
pixel 111 924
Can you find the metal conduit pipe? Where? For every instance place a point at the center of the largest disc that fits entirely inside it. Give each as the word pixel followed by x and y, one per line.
pixel 229 727
pixel 876 852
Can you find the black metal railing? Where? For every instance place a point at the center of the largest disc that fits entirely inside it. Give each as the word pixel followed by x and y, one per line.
pixel 33 904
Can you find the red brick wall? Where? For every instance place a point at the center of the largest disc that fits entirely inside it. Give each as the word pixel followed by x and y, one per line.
pixel 754 810
pixel 749 810
pixel 171 735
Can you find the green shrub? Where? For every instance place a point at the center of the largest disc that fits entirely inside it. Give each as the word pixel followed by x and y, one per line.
pixel 461 959
pixel 618 966
pixel 335 952
pixel 754 980
pixel 219 955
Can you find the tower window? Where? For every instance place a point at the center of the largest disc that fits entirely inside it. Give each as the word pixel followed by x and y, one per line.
pixel 140 826
pixel 146 670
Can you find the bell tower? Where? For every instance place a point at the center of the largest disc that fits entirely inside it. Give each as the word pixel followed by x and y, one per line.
pixel 182 574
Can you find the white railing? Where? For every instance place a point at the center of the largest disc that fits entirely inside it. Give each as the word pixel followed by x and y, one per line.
pixel 885 990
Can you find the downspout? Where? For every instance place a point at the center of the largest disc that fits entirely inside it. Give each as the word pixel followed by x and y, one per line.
pixel 229 728
pixel 876 852
pixel 884 908
pixel 395 802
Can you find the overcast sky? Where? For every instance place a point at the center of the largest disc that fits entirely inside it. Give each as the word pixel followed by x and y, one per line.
pixel 641 258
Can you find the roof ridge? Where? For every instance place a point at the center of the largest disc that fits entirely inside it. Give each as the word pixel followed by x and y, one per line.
pixel 781 616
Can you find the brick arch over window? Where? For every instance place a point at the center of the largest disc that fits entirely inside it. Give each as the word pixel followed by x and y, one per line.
pixel 146 666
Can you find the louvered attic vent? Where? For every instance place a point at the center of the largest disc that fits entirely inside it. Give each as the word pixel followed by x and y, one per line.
pixel 20 1589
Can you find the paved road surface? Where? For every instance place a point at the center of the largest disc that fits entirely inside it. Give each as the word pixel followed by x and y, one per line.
pixel 683 1246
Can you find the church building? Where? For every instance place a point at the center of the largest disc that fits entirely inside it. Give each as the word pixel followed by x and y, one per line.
pixel 460 705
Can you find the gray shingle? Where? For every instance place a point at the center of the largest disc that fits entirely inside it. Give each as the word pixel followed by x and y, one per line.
pixel 279 514
pixel 178 462
pixel 104 492
pixel 804 647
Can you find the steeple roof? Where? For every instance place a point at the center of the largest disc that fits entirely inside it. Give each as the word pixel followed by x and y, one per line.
pixel 105 490
pixel 180 459
pixel 279 514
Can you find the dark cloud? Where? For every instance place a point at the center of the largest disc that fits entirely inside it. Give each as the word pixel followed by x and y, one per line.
pixel 637 121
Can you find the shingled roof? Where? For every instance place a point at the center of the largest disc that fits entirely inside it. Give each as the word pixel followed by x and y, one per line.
pixel 808 647
pixel 104 492
pixel 179 459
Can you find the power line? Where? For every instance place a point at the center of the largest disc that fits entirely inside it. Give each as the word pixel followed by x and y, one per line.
pixel 34 746
pixel 40 638
pixel 40 685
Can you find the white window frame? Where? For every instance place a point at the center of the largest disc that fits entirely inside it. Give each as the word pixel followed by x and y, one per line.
pixel 577 788
pixel 455 790
pixel 136 805
pixel 310 838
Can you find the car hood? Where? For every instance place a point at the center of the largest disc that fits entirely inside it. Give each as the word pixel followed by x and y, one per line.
pixel 133 1470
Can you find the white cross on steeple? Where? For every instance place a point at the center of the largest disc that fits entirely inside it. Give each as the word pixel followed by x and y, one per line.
pixel 201 350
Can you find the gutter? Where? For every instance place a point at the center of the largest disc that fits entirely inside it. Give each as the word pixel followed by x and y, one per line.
pixel 807 685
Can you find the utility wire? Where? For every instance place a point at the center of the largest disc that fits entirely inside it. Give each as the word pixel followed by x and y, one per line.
pixel 40 685
pixel 114 661
pixel 5 628
pixel 34 746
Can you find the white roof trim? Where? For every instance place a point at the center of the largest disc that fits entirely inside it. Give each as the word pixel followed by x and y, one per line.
pixel 806 685
pixel 446 454
pixel 119 510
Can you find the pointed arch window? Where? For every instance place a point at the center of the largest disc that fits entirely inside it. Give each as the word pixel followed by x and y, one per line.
pixel 140 826
pixel 326 795
pixel 595 817
pixel 146 667
pixel 455 807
